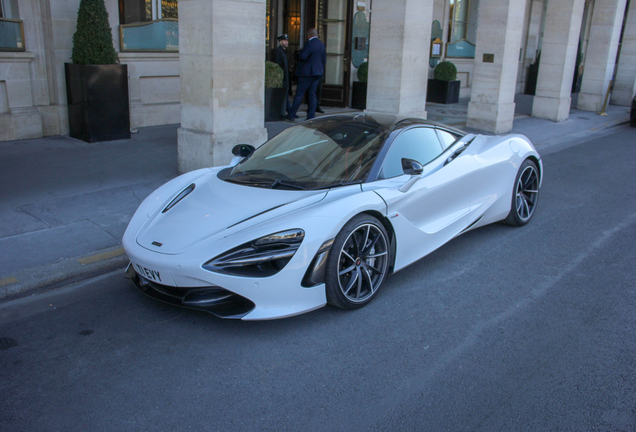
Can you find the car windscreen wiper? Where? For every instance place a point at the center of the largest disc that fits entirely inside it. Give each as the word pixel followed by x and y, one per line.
pixel 283 183
pixel 333 185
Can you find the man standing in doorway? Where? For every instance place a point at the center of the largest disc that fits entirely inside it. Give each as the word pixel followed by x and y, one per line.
pixel 280 58
pixel 311 66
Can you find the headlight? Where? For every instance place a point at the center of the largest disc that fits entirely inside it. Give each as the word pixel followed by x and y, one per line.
pixel 262 257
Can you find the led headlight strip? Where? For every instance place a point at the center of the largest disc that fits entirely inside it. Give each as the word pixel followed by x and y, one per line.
pixel 262 257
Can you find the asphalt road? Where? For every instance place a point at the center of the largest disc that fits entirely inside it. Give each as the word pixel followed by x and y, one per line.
pixel 504 328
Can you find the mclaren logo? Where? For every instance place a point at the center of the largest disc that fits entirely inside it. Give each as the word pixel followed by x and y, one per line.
pixel 156 243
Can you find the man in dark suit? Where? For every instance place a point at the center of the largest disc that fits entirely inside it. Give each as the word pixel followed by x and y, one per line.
pixel 312 60
pixel 280 57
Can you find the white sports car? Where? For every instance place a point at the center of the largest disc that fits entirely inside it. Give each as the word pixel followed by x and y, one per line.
pixel 323 213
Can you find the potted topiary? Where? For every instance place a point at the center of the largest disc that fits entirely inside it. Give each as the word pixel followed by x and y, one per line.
pixel 275 93
pixel 96 86
pixel 444 88
pixel 359 90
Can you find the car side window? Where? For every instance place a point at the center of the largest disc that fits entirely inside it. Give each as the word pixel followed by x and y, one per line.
pixel 420 144
pixel 446 138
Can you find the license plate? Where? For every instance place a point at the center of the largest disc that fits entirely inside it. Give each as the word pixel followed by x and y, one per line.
pixel 147 273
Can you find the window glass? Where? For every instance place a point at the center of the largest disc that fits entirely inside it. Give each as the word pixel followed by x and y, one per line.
pixel 9 9
pixel 420 144
pixel 457 20
pixel 313 156
pixel 136 11
pixel 446 138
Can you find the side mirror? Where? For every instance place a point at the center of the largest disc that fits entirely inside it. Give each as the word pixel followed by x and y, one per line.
pixel 243 150
pixel 412 167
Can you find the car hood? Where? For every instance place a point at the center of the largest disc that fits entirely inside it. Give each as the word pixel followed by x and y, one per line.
pixel 216 209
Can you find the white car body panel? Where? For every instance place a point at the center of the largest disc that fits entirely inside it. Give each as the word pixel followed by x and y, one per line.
pixel 472 190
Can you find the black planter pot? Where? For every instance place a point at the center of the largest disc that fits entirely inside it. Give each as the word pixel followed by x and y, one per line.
pixel 359 95
pixel 97 98
pixel 445 92
pixel 275 103
pixel 632 114
pixel 531 79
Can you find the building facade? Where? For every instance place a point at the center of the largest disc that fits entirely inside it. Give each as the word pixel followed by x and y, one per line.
pixel 200 63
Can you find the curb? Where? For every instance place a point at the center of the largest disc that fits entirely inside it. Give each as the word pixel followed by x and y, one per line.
pixel 570 140
pixel 52 275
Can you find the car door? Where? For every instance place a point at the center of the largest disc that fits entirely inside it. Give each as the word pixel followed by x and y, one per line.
pixel 435 208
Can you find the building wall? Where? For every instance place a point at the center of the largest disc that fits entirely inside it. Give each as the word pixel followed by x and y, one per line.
pixel 33 87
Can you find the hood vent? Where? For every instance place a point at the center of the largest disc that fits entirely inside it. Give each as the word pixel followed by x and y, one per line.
pixel 179 197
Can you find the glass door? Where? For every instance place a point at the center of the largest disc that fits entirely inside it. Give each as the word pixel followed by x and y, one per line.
pixel 334 21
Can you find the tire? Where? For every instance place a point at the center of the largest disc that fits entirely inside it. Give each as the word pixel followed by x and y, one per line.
pixel 525 195
pixel 358 263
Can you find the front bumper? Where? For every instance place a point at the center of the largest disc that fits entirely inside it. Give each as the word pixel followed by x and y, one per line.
pixel 213 299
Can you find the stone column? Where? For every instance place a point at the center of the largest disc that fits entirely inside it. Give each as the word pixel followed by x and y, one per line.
pixel 625 86
pixel 492 106
pixel 558 59
pixel 607 20
pixel 222 65
pixel 399 49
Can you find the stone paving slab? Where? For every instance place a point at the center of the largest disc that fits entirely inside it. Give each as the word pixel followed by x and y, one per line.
pixel 52 245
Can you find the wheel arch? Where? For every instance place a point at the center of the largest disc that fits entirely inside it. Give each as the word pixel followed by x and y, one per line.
pixel 537 162
pixel 388 226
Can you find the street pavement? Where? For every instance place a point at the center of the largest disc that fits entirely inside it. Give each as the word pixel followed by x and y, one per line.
pixel 65 203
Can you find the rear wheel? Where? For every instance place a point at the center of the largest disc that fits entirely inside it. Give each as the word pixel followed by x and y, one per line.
pixel 358 263
pixel 525 194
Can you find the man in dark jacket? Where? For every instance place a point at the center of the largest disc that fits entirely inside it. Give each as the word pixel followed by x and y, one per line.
pixel 311 66
pixel 280 58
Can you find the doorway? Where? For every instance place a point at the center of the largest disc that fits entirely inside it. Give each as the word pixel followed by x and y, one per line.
pixel 334 29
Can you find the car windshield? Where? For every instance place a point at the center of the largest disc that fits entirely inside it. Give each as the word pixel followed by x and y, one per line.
pixel 312 156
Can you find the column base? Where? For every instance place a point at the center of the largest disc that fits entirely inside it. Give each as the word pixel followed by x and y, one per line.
pixel 198 149
pixel 622 97
pixel 21 123
pixel 591 102
pixel 493 118
pixel 555 109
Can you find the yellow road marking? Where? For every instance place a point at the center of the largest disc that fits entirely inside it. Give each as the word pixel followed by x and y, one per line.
pixel 8 281
pixel 101 256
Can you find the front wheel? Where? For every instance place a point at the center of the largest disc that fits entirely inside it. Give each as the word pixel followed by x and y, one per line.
pixel 358 263
pixel 525 195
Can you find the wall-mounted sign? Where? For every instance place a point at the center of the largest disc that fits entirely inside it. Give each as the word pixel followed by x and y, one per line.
pixel 436 30
pixel 489 58
pixel 360 37
pixel 436 48
pixel 359 43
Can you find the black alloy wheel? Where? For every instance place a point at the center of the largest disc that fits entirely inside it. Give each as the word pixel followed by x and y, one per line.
pixel 525 194
pixel 358 263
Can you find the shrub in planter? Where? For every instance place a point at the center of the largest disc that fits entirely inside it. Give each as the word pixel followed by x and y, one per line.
pixel 96 87
pixel 359 90
pixel 275 94
pixel 444 88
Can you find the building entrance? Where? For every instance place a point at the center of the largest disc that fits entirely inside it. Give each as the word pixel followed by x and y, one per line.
pixel 332 19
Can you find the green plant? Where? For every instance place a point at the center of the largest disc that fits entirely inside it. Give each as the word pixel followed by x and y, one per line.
pixel 93 40
pixel 445 71
pixel 273 75
pixel 363 72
